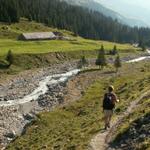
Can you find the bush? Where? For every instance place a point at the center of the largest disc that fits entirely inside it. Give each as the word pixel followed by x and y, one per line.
pixel 9 58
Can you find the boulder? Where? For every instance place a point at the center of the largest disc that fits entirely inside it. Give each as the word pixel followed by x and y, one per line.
pixel 29 117
pixel 10 135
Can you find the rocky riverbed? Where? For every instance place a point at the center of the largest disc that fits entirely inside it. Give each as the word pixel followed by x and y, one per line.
pixel 24 83
pixel 15 116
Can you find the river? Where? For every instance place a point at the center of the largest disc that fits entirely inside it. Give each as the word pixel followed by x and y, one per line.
pixel 51 80
pixel 42 88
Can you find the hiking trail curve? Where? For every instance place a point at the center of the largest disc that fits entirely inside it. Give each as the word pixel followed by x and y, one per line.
pixel 102 139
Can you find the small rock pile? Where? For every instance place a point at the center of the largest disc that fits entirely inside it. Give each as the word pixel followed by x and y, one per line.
pixel 53 97
pixel 12 123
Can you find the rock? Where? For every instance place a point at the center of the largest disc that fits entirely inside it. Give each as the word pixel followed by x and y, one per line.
pixel 29 117
pixel 1 99
pixel 10 135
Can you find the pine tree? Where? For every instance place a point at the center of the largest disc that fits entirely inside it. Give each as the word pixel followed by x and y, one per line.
pixel 117 63
pixel 143 48
pixel 83 62
pixel 114 52
pixel 101 60
pixel 10 58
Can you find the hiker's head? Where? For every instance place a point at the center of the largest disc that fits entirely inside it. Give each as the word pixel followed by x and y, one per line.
pixel 110 88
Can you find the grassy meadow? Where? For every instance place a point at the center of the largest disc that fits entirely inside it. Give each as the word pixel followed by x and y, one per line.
pixel 10 33
pixel 37 47
pixel 36 54
pixel 71 127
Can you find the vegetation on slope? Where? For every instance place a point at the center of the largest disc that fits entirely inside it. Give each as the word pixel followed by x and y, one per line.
pixel 13 30
pixel 71 127
pixel 35 54
pixel 10 33
pixel 81 21
pixel 36 47
pixel 133 133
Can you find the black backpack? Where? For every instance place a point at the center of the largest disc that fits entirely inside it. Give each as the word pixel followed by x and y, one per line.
pixel 108 103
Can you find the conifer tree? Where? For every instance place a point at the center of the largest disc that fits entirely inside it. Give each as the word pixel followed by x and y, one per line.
pixel 114 52
pixel 101 60
pixel 117 63
pixel 9 58
pixel 83 62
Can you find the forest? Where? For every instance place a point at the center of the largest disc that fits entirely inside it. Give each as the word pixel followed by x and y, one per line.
pixel 81 21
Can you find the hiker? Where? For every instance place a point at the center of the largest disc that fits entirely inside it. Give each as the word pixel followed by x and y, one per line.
pixel 109 101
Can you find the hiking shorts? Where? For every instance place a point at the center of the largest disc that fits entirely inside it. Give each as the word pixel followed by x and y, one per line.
pixel 108 113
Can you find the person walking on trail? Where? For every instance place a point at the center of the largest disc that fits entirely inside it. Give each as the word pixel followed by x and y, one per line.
pixel 109 101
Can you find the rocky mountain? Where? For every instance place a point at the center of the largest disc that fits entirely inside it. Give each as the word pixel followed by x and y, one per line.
pixel 94 5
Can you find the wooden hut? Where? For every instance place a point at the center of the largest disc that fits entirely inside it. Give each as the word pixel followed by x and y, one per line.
pixel 37 36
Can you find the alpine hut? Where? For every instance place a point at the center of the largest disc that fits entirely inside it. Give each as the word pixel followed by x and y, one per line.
pixel 37 36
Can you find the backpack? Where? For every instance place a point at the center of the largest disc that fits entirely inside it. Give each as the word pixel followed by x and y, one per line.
pixel 108 102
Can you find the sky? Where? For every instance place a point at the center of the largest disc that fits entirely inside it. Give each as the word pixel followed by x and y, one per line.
pixel 138 9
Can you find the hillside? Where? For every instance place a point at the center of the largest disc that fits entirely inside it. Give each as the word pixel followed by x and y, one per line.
pixel 82 21
pixel 12 31
pixel 56 62
pixel 72 126
pixel 9 35
pixel 33 54
pixel 93 5
pixel 135 126
pixel 132 8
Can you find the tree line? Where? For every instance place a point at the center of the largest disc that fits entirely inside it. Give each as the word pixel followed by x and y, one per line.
pixel 81 21
pixel 101 60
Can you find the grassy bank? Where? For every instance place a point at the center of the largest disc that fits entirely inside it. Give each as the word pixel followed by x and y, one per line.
pixel 134 127
pixel 72 127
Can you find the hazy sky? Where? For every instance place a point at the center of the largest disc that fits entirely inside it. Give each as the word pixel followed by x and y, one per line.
pixel 139 9
pixel 140 3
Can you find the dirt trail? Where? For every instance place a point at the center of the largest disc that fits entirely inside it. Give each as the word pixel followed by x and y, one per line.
pixel 101 140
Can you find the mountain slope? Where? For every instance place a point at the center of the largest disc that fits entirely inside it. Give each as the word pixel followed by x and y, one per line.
pixel 91 4
pixel 133 9
pixel 72 126
pixel 81 21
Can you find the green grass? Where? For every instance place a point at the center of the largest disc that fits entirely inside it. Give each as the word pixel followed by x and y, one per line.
pixel 36 47
pixel 10 33
pixel 141 111
pixel 35 54
pixel 13 30
pixel 72 127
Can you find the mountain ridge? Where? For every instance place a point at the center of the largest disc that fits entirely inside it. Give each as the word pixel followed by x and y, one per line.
pixel 96 6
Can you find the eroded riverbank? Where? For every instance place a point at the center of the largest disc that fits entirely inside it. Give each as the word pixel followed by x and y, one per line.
pixel 15 117
pixel 30 93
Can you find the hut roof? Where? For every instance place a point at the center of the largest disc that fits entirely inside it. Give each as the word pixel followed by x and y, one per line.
pixel 39 35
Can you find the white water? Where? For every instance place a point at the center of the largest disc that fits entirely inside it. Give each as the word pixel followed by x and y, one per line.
pixel 42 88
pixel 148 51
pixel 50 80
pixel 140 58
